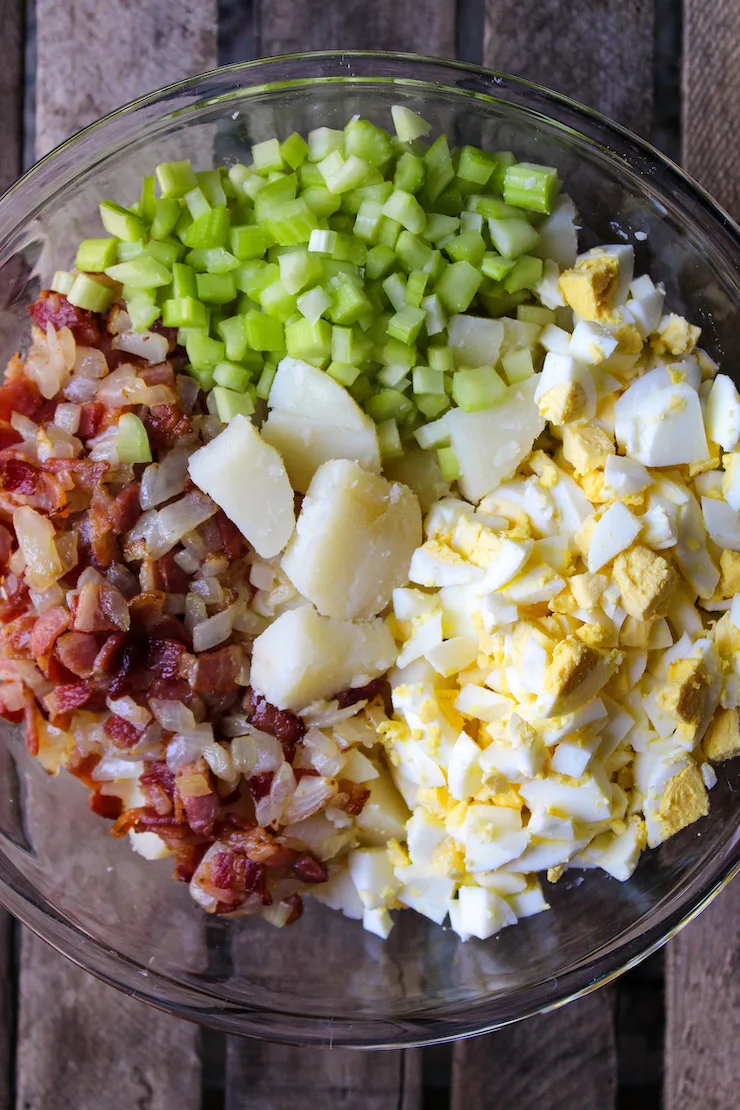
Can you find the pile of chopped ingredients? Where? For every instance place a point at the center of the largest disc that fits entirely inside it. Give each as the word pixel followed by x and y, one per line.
pixel 220 610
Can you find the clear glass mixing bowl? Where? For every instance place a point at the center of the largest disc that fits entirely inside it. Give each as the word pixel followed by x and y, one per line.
pixel 325 980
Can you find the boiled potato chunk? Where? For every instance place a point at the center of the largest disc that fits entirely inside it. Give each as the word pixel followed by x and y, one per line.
pixel 246 477
pixel 314 419
pixel 420 471
pixel 491 444
pixel 303 657
pixel 353 542
pixel 384 814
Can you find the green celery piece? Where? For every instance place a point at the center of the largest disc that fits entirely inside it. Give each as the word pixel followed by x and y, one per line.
pixel 245 182
pixel 517 365
pixel 62 282
pixel 309 341
pixel 349 173
pixel 415 287
pixel 432 405
pixel 435 316
pixel 388 232
pixel 216 260
pixel 512 237
pixel 86 292
pixel 361 389
pixel 425 379
pixel 247 241
pixel 322 241
pixel 405 209
pixel 436 434
pixel 121 223
pixel 410 172
pixel 349 302
pixel 266 157
pixel 449 202
pixel 367 141
pixel 313 303
pixel 349 249
pixel 389 441
pixel 321 202
pixel 298 269
pixel 277 301
pixel 497 302
pixel 264 333
pixel 209 183
pixel 229 403
pixel 343 373
pixel 348 345
pixel 204 377
pixel 204 353
pixel 254 276
pixel 379 261
pixel 175 178
pixel 294 150
pixel 142 272
pixel 441 358
pixel 458 286
pixel 96 255
pixel 125 251
pixel 291 224
pixel 215 288
pixel 440 228
pixel 167 212
pixel 351 201
pixel 504 159
pixel 267 377
pixel 185 312
pixel 408 125
pixel 406 324
pixel 394 377
pixel 128 293
pixel 322 141
pixel 492 208
pixel 209 230
pixel 165 251
pixel 528 185
pixel 526 272
pixel 448 464
pixel 468 246
pixel 397 353
pixel 132 442
pixel 196 203
pixel 395 290
pixel 389 404
pixel 142 313
pixel 310 176
pixel 147 199
pixel 496 267
pixel 413 253
pixel 477 389
pixel 475 165
pixel 440 170
pixel 233 332
pixel 367 221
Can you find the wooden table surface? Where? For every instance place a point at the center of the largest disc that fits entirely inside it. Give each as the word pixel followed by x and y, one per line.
pixel 67 1042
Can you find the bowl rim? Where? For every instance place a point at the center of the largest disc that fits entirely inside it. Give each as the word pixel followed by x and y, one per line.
pixel 458 1021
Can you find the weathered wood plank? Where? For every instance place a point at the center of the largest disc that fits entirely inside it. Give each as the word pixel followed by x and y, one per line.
pixel 703 1010
pixel 599 53
pixel 95 1049
pixel 93 58
pixel 425 26
pixel 11 144
pixel 565 1060
pixel 711 58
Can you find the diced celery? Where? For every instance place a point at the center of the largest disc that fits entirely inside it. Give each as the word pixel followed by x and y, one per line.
pixel 512 237
pixel 209 230
pixel 415 286
pixel 517 365
pixel 413 253
pixel 471 221
pixel 310 341
pixel 394 377
pixel 388 232
pixel 254 275
pixel 379 261
pixel 536 314
pixel 126 251
pixel 389 441
pixel 313 303
pixel 196 203
pixel 322 242
pixel 215 288
pixel 497 302
pixel 266 157
pixel 150 296
pixel 264 385
pixel 204 377
pixel 440 170
pixel 527 185
pixel 293 150
pixel 96 255
pixel 349 249
pixel 277 301
pixel 448 464
pixel 209 183
pixel 142 313
pixel 348 345
pixel 343 373
pixel 406 324
pixel 349 302
pixel 408 125
pixel 410 173
pixel 468 246
pixel 526 273
pixel 436 317
pixel 233 332
pixel 440 228
pixel 62 282
pixel 475 165
pixel 361 389
pixel 504 159
pixel 245 181
pixel 204 353
pixel 368 142
pixel 491 208
pixel 350 174
pixel 322 141
pixel 167 212
pixel 121 223
pixel 435 434
pixel 367 221
pixel 291 223
pixel 247 241
pixel 320 200
pixel 132 442
pixel 167 251
pixel 477 388
pixel 432 405
pixel 309 176
pixel 298 269
pixel 496 267
pixel 213 260
pixel 87 292
pixel 142 272
pixel 395 352
pixel 147 199
pixel 441 358
pixel 175 178
pixel 264 333
pixel 405 209
pixel 395 290
pixel 457 286
pixel 389 404
pixel 184 312
pixel 230 403
pixel 425 379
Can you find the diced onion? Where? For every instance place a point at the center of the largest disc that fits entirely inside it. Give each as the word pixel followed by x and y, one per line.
pixel 152 346
pixel 186 747
pixel 172 715
pixel 127 708
pixel 311 795
pixel 67 417
pixel 213 631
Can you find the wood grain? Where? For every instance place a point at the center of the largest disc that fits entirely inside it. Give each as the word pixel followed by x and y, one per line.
pixel 703 1009
pixel 93 57
pixel 597 51
pixel 711 59
pixel 565 1060
pixel 424 26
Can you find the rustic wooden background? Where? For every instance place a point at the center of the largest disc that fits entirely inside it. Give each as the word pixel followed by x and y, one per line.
pixel 666 1034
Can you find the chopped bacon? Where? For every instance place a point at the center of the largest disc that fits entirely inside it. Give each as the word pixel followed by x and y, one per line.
pixel 96 544
pixel 8 709
pixel 128 662
pixel 377 688
pixel 125 509
pixel 166 424
pixel 232 540
pixel 100 608
pixel 161 374
pixel 260 785
pixel 77 651
pixel 309 869
pixel 172 689
pixel 92 415
pixel 231 877
pixel 6 545
pixel 201 813
pixel 170 576
pixel 46 631
pixel 147 609
pixel 20 395
pixel 187 861
pixel 54 308
pixel 296 903
pixel 158 784
pixel 261 847
pixel 106 805
pixel 63 699
pixel 215 672
pixel 165 657
pixel 170 334
pixel 280 723
pixel 8 435
pixel 23 483
pixel 123 733
pixel 15 636
pixel 351 797
pixel 31 735
pixel 82 768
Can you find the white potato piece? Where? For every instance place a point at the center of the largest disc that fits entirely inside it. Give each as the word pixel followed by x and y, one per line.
pixel 420 471
pixel 353 542
pixel 491 444
pixel 384 814
pixel 314 419
pixel 247 479
pixel 303 657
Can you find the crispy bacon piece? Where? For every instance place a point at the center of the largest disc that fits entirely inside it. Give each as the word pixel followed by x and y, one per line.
pixel 309 869
pixel 232 540
pixel 125 509
pixel 23 483
pixel 379 687
pixel 100 608
pixel 15 636
pixel 55 309
pixel 170 576
pixel 19 394
pixel 201 813
pixel 147 609
pixel 106 805
pixel 77 651
pixel 46 631
pixel 351 797
pixel 231 877
pixel 260 846
pixel 215 672
pixel 166 424
pixel 8 435
pixel 187 861
pixel 259 785
pixel 63 699
pixel 158 784
pixel 32 719
pixel 296 903
pixel 280 723
pixel 123 733
pixel 83 767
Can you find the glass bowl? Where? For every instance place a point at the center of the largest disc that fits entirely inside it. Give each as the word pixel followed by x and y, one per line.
pixel 325 980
